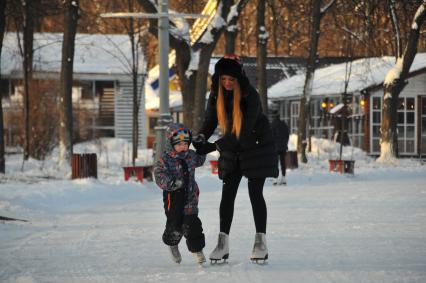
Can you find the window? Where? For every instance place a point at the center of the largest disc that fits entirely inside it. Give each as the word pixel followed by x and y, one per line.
pixel 315 118
pixel 406 127
pixel 423 121
pixel 376 119
pixel 294 116
pixel 355 123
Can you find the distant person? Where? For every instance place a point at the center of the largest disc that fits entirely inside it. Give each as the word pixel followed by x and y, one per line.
pixel 174 174
pixel 246 149
pixel 281 135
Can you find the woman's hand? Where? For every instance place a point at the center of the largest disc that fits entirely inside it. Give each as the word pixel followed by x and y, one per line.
pixel 199 139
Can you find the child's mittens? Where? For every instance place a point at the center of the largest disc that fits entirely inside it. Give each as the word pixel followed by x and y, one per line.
pixel 177 184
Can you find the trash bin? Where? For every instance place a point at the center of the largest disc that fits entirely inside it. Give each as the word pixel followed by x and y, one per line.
pixel 342 166
pixel 84 166
pixel 291 160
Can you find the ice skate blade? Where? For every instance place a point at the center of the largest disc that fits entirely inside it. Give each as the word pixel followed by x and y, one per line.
pixel 219 260
pixel 260 261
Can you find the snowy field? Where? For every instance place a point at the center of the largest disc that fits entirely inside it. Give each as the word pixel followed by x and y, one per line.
pixel 322 226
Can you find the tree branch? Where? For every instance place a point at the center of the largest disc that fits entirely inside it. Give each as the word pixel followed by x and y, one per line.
pixel 395 24
pixel 326 7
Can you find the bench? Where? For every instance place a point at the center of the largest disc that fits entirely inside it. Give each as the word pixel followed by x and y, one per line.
pixel 138 172
pixel 342 166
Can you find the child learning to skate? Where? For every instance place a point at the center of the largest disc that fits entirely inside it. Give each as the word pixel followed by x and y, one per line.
pixel 175 174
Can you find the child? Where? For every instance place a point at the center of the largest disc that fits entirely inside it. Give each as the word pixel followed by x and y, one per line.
pixel 175 174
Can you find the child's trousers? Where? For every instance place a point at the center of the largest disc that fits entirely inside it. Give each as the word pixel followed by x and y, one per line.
pixel 179 225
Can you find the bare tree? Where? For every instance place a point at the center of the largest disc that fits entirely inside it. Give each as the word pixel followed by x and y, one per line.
pixel 66 79
pixel 132 32
pixel 23 16
pixel 2 29
pixel 231 33
pixel 192 61
pixel 393 85
pixel 317 14
pixel 262 41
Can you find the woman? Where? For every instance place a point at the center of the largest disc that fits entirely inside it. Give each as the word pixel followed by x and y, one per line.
pixel 246 149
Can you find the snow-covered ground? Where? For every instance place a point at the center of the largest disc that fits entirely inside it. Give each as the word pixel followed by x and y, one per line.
pixel 322 226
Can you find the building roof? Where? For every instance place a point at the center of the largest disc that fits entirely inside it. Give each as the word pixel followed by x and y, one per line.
pixel 328 81
pixel 100 54
pixel 277 68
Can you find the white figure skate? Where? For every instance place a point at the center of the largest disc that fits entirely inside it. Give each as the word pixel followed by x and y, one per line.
pixel 221 252
pixel 260 251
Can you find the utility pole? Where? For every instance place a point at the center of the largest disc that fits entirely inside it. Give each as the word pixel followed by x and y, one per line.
pixel 163 16
pixel 165 117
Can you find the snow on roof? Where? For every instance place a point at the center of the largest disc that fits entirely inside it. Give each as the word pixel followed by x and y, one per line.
pixel 94 54
pixel 330 80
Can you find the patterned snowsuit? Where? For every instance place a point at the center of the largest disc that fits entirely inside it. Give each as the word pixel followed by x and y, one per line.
pixel 180 205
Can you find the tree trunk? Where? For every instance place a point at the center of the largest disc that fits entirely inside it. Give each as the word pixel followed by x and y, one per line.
pixel 309 79
pixel 304 114
pixel 230 38
pixel 395 25
pixel 201 86
pixel 134 68
pixel 231 33
pixel 135 125
pixel 393 85
pixel 2 29
pixel 262 40
pixel 28 33
pixel 66 79
pixel 187 85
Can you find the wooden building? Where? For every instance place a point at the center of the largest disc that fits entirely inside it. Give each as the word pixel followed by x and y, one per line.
pixel 364 93
pixel 102 89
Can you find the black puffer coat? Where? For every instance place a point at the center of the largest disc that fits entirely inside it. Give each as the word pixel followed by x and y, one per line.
pixel 280 133
pixel 254 152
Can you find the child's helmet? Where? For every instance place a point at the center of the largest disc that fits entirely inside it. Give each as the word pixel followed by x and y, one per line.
pixel 179 133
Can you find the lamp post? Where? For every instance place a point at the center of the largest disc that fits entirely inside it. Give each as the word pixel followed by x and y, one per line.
pixel 163 37
pixel 165 117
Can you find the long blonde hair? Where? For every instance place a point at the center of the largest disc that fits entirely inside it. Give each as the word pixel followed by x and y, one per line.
pixel 237 117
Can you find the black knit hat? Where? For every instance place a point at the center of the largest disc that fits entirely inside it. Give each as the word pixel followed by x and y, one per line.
pixel 229 66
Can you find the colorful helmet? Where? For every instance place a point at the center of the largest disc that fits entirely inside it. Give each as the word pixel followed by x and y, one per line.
pixel 177 133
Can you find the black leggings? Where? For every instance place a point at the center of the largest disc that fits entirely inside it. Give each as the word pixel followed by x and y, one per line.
pixel 281 160
pixel 229 193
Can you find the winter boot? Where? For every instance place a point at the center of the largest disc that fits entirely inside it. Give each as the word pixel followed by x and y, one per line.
pixel 174 251
pixel 199 257
pixel 260 251
pixel 222 249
